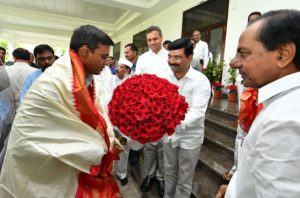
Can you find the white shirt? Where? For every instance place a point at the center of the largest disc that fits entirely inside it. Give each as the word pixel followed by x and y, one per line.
pixel 103 86
pixel 152 63
pixel 269 161
pixel 195 87
pixel 200 52
pixel 17 74
pixel 116 81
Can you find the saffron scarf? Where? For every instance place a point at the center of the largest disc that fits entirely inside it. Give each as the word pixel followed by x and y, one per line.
pixel 248 108
pixel 100 182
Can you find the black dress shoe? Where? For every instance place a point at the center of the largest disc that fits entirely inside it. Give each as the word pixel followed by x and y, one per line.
pixel 147 184
pixel 134 157
pixel 124 181
pixel 161 188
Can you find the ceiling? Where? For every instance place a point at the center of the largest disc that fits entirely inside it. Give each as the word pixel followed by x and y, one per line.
pixel 53 21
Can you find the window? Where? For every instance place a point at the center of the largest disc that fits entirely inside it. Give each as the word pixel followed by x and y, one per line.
pixel 116 51
pixel 140 41
pixel 210 18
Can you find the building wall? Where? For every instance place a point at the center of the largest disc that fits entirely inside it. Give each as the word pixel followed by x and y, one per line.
pixel 169 20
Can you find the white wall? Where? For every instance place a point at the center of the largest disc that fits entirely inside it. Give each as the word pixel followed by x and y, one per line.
pixel 238 12
pixel 169 20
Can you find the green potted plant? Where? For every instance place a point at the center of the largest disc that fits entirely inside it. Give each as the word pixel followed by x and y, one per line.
pixel 214 74
pixel 231 87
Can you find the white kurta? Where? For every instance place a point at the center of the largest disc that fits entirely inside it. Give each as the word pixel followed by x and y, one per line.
pixel 269 161
pixel 200 52
pixel 152 63
pixel 49 145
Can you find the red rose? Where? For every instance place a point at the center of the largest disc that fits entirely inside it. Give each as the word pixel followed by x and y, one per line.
pixel 145 107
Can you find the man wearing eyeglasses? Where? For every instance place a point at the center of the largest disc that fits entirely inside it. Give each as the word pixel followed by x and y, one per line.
pixel 44 56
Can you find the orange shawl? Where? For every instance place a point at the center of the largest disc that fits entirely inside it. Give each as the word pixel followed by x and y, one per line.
pixel 248 108
pixel 100 182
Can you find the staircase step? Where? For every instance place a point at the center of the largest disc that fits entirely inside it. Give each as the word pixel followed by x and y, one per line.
pixel 215 159
pixel 205 183
pixel 231 108
pixel 220 138
pixel 221 122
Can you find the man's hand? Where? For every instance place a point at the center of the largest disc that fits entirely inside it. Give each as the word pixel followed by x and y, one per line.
pixel 221 192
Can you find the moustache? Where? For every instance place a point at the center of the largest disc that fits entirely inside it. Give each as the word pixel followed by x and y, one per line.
pixel 174 64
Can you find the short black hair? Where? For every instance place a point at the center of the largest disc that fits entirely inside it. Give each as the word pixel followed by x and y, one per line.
pixel 41 49
pixel 182 43
pixel 280 27
pixel 89 35
pixel 3 49
pixel 154 28
pixel 110 57
pixel 132 46
pixel 21 54
pixel 166 42
pixel 255 13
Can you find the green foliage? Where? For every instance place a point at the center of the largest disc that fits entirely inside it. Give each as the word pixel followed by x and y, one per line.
pixel 233 74
pixel 214 71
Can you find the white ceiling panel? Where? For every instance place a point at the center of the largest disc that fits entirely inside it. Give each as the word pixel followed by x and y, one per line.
pixel 55 19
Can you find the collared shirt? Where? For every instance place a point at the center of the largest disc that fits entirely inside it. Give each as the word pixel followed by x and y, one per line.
pixel 17 74
pixel 103 86
pixel 113 69
pixel 152 63
pixel 269 161
pixel 28 82
pixel 116 81
pixel 195 87
pixel 200 52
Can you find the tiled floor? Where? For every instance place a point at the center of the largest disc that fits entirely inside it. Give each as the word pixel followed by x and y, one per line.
pixel 130 190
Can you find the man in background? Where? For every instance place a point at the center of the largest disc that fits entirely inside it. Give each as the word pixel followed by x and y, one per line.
pixel 123 70
pixel 112 66
pixel 44 56
pixel 200 56
pixel 154 61
pixel 2 56
pixel 131 54
pixel 10 97
pixel 166 44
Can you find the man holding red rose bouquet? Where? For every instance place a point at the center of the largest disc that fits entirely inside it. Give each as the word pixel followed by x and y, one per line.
pixel 181 150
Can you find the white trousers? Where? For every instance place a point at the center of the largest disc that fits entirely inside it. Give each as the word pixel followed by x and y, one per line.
pixel 121 164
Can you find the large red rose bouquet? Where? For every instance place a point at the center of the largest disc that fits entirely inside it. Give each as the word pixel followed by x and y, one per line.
pixel 145 107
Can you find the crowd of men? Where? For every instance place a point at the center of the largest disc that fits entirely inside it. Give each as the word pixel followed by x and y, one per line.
pixel 57 140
